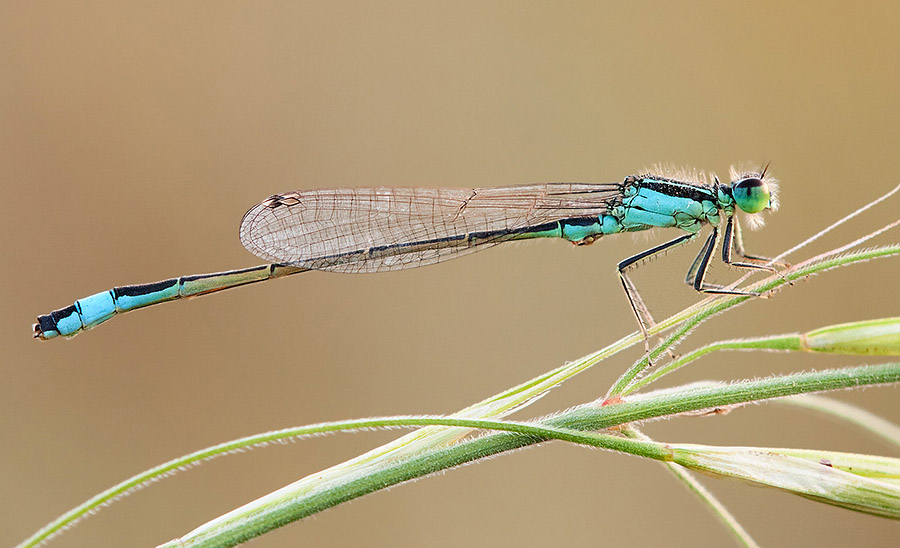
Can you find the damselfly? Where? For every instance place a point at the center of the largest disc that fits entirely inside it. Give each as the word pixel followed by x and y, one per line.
pixel 381 229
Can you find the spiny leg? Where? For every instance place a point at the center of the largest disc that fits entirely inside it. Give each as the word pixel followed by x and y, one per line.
pixel 697 273
pixel 641 312
pixel 734 242
pixel 732 236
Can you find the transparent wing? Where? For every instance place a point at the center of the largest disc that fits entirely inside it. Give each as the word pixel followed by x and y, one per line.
pixel 376 229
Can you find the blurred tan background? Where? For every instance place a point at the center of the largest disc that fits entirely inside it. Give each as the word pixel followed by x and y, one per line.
pixel 132 139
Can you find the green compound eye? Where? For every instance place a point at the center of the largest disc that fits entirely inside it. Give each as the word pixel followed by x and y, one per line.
pixel 751 194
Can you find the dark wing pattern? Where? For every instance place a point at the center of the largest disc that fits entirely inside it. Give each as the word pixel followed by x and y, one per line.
pixel 379 229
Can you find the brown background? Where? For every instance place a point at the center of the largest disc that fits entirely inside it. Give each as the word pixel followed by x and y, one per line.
pixel 134 138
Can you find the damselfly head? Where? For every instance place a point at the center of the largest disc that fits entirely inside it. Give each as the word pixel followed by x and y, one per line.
pixel 754 191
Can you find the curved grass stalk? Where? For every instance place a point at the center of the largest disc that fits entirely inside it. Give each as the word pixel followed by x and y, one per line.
pixel 319 491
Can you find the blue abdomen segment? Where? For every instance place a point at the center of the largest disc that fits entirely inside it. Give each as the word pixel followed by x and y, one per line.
pixel 96 309
pixel 90 311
